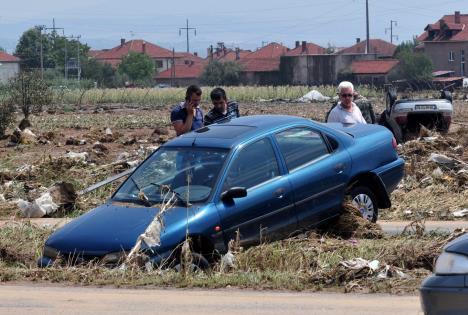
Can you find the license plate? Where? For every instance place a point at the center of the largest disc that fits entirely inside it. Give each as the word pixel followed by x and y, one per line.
pixel 426 107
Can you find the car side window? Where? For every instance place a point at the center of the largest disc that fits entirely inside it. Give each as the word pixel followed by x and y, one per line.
pixel 300 146
pixel 255 164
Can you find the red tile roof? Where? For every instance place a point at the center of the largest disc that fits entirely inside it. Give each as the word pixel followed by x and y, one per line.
pixel 373 66
pixel 183 57
pixel 311 49
pixel 94 52
pixel 260 64
pixel 377 46
pixel 4 57
pixel 118 52
pixel 182 72
pixel 272 50
pixel 458 31
pixel 231 55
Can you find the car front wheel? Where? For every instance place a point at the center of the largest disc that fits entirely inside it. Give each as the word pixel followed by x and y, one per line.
pixel 364 199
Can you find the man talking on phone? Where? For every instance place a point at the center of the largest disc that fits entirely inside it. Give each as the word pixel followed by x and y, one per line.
pixel 188 115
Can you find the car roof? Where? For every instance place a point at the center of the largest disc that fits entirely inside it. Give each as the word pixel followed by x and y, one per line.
pixel 235 131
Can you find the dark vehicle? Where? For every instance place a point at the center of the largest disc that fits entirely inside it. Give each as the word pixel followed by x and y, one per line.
pixel 407 115
pixel 267 177
pixel 446 291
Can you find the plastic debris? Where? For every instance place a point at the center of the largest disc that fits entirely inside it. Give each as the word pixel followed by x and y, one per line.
pixel 460 213
pixel 83 156
pixel 58 195
pixel 392 272
pixel 360 263
pixel 312 96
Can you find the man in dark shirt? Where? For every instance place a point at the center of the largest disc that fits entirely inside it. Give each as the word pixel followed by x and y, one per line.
pixel 188 115
pixel 222 109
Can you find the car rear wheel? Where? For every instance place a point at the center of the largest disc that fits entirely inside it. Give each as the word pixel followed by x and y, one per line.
pixel 364 199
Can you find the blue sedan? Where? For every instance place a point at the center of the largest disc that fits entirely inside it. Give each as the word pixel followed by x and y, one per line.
pixel 264 177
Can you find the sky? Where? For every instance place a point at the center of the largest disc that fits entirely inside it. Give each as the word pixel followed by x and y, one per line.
pixel 246 24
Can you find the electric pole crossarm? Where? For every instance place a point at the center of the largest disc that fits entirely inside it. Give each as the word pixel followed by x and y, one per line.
pixel 187 29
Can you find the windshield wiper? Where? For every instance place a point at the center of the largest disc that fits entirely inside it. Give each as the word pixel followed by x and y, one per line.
pixel 141 194
pixel 178 196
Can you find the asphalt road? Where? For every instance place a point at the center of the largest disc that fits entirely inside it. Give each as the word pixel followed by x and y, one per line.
pixel 19 299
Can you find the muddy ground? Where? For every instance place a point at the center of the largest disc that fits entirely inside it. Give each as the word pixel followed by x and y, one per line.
pixel 115 136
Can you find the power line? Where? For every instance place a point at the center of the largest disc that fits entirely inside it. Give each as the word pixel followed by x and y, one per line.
pixel 392 22
pixel 187 29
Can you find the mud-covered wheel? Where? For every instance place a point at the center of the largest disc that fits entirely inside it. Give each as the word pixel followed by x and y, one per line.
pixel 364 199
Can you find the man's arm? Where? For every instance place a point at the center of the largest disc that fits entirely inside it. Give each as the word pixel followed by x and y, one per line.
pixel 178 123
pixel 332 117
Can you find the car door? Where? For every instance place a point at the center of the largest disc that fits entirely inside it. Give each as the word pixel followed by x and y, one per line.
pixel 267 210
pixel 318 174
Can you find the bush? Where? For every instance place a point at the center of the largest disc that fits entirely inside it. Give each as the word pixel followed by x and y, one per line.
pixel 225 73
pixel 7 114
pixel 30 93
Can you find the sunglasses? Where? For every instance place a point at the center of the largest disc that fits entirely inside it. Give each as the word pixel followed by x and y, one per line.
pixel 346 95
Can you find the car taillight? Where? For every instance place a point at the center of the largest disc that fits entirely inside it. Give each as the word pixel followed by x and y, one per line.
pixel 394 143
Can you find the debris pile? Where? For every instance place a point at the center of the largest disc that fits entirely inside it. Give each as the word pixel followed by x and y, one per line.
pixel 352 224
pixel 436 180
pixel 62 194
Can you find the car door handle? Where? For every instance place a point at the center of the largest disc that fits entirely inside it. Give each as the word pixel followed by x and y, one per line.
pixel 279 193
pixel 339 168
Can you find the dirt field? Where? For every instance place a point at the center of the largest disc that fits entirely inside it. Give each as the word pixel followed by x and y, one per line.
pixel 113 131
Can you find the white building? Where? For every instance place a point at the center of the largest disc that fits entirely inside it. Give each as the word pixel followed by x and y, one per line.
pixel 9 66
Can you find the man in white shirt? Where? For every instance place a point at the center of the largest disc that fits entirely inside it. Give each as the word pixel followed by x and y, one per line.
pixel 346 111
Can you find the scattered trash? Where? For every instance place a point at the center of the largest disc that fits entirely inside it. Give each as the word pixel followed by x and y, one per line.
pixel 23 137
pixel 359 263
pixel 2 198
pixel 460 213
pixel 392 272
pixel 61 194
pixel 151 236
pixel 314 96
pixel 83 156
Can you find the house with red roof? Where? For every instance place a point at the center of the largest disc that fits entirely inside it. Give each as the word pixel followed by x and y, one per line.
pixel 9 66
pixel 445 42
pixel 305 48
pixel 262 67
pixel 162 57
pixel 379 47
pixel 373 72
pixel 181 74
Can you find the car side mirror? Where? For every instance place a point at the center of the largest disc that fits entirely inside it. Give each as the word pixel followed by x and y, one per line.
pixel 234 192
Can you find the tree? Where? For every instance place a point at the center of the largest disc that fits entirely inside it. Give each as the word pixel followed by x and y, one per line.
pixel 138 67
pixel 415 67
pixel 99 72
pixel 29 49
pixel 30 93
pixel 54 49
pixel 221 73
pixel 7 114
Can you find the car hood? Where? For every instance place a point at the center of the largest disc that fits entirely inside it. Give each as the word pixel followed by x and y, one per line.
pixel 106 229
pixel 458 245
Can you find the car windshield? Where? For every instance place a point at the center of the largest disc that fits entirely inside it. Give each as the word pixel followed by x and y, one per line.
pixel 190 173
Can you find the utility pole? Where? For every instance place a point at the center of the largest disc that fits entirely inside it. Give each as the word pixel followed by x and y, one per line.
pixel 173 67
pixel 187 29
pixel 41 27
pixel 367 27
pixel 392 22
